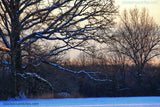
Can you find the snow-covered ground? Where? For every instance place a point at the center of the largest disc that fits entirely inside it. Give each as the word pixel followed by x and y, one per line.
pixel 86 102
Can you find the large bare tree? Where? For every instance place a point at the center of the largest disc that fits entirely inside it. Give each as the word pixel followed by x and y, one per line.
pixel 138 38
pixel 69 22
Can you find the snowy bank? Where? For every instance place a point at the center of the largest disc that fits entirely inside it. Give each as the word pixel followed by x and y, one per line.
pixel 86 102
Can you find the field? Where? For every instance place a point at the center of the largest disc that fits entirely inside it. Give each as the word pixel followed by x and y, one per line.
pixel 86 102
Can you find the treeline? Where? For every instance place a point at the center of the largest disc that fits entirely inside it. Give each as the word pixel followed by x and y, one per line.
pixel 124 81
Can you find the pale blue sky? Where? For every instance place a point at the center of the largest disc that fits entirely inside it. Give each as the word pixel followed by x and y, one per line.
pixel 152 5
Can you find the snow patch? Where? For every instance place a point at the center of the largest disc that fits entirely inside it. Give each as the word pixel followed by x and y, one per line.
pixel 20 97
pixel 87 102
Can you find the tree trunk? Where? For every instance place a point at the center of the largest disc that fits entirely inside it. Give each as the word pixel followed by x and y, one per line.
pixel 124 75
pixel 140 78
pixel 16 61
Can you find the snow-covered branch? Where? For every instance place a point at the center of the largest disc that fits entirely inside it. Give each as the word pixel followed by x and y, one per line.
pixel 77 72
pixel 4 39
pixel 3 61
pixel 34 75
pixel 25 23
pixel 71 16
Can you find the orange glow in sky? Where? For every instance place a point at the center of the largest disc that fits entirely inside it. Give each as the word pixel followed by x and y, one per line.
pixel 152 5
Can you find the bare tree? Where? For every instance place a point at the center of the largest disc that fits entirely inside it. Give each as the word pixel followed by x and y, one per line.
pixel 119 63
pixel 83 58
pixel 69 22
pixel 137 38
pixel 92 53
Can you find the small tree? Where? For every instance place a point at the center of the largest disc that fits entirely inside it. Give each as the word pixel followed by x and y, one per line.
pixel 137 38
pixel 69 22
pixel 83 58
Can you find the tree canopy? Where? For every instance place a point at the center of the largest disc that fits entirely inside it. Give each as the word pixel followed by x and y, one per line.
pixel 68 22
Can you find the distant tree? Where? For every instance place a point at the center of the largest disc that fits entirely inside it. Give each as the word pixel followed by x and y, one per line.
pixel 119 62
pixel 69 22
pixel 138 38
pixel 83 58
pixel 92 53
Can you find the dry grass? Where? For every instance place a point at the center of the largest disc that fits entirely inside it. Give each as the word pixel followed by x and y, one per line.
pixel 44 96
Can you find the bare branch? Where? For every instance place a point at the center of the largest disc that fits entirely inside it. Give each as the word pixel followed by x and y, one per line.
pixel 34 75
pixel 4 39
pixel 77 72
pixel 137 38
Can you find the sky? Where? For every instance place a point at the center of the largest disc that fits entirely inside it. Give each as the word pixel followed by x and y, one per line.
pixel 152 5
